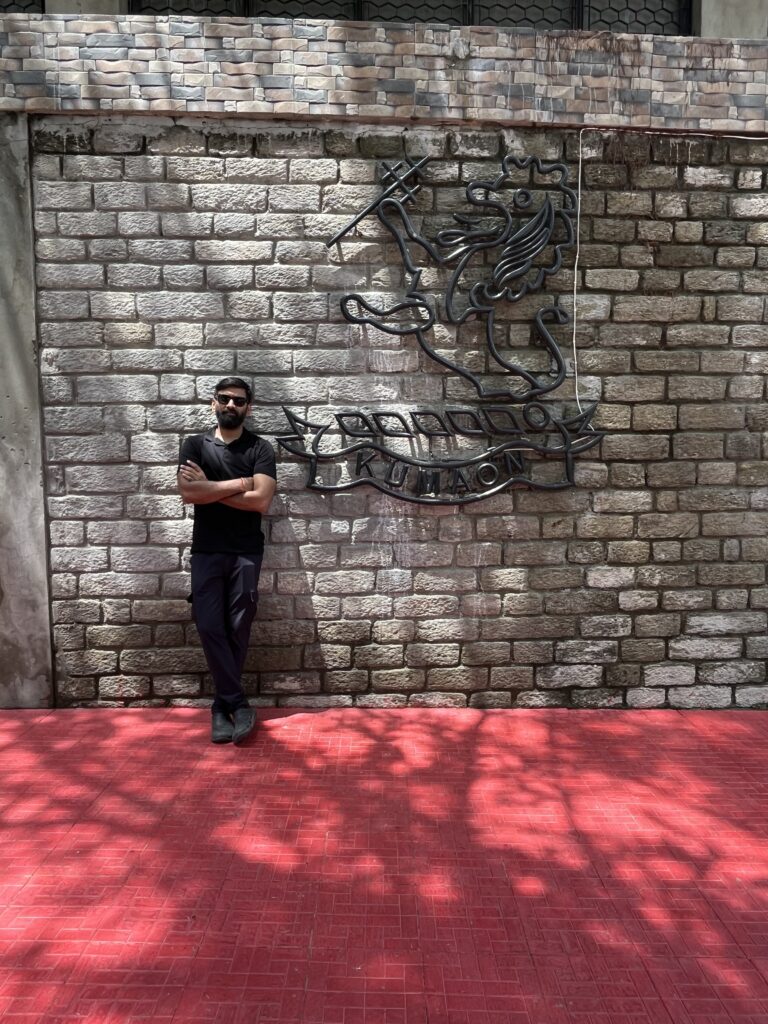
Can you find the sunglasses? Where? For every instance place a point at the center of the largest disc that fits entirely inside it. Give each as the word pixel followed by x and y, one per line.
pixel 226 399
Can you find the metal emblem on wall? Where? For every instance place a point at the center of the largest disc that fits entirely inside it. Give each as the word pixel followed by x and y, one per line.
pixel 518 429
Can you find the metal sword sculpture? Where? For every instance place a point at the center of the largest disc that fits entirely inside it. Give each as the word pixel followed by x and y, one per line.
pixel 518 430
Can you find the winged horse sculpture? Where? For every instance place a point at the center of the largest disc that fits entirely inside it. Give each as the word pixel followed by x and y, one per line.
pixel 506 241
pixel 505 248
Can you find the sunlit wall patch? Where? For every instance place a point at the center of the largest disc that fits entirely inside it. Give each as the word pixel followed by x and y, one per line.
pixel 522 426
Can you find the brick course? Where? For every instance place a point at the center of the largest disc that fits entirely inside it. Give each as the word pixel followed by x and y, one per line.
pixel 278 68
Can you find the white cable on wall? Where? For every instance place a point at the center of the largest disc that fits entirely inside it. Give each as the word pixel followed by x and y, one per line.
pixel 576 274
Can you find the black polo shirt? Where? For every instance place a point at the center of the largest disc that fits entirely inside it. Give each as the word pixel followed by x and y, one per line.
pixel 219 528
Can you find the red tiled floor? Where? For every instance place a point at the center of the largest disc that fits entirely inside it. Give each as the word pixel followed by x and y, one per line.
pixel 385 867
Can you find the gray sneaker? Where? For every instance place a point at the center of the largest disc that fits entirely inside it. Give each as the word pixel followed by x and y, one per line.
pixel 245 723
pixel 222 728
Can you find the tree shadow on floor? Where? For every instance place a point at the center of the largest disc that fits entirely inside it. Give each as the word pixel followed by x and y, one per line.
pixel 384 867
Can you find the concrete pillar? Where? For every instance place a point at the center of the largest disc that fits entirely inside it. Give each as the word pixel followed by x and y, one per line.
pixel 733 19
pixel 26 675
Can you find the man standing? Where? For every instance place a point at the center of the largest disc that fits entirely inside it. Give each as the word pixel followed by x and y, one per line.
pixel 228 474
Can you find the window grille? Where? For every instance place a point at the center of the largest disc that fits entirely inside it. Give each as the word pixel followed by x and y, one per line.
pixel 660 17
pixel 22 7
pixel 197 8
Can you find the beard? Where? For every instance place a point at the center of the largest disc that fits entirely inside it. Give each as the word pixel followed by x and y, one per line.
pixel 231 419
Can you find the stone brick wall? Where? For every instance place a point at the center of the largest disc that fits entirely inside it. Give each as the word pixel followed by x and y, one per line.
pixel 170 253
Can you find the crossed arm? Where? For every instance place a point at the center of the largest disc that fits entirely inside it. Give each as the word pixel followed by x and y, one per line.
pixel 248 493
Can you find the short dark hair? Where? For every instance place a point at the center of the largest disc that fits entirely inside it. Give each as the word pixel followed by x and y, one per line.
pixel 234 382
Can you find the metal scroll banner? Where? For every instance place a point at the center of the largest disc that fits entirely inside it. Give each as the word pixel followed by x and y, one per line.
pixel 519 431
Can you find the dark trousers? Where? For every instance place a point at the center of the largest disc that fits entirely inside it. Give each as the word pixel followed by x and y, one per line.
pixel 224 599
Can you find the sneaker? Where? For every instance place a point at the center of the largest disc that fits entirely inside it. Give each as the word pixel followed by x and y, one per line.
pixel 222 728
pixel 245 723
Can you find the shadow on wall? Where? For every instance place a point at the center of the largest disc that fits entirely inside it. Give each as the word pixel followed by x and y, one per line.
pixel 385 867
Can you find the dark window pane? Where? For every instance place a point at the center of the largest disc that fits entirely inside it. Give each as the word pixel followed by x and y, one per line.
pixel 660 17
pixel 541 14
pixel 338 10
pixel 450 12
pixel 195 8
pixel 21 7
